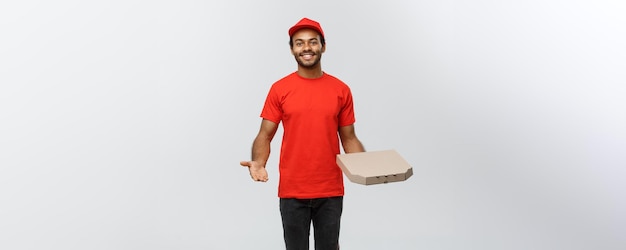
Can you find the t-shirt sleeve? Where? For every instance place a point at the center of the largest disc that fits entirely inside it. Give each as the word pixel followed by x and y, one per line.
pixel 346 115
pixel 272 109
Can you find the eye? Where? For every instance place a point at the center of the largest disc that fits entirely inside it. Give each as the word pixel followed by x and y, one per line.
pixel 299 44
pixel 313 42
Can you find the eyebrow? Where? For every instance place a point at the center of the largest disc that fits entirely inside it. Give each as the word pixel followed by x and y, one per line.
pixel 301 40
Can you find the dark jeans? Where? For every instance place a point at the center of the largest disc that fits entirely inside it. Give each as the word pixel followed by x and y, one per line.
pixel 297 215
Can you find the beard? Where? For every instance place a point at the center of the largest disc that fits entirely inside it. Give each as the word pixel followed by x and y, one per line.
pixel 309 64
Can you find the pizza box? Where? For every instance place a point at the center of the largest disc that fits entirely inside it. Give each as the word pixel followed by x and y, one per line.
pixel 374 167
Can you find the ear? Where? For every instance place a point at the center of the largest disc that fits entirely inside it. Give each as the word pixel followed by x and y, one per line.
pixel 324 48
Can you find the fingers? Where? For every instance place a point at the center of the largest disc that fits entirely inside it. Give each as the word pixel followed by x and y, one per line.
pixel 256 176
pixel 260 179
pixel 257 173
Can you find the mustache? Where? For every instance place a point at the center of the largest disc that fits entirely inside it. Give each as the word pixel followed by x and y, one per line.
pixel 307 53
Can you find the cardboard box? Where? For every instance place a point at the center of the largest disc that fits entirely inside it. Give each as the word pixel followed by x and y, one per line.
pixel 374 167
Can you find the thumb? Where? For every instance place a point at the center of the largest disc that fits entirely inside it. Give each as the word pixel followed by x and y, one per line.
pixel 244 163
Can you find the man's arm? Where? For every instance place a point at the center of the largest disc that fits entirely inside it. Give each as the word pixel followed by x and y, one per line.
pixel 261 151
pixel 349 141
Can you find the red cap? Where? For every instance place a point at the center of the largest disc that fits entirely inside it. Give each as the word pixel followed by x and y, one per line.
pixel 306 23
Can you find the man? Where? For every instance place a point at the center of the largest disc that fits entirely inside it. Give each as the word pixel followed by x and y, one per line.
pixel 316 110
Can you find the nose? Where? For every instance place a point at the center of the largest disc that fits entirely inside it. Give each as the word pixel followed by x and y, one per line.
pixel 306 47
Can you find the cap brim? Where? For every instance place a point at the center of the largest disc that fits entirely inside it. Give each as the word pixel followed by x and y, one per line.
pixel 295 29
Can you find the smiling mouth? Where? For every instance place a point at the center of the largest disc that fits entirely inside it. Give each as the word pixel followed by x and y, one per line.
pixel 307 56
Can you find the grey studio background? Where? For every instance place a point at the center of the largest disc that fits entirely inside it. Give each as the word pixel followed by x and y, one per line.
pixel 122 123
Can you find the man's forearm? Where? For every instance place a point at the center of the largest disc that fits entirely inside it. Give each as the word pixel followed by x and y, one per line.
pixel 261 150
pixel 353 146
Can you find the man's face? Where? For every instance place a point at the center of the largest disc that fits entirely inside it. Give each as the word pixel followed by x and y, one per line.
pixel 307 48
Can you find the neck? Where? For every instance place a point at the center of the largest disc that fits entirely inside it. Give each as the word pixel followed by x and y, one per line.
pixel 315 72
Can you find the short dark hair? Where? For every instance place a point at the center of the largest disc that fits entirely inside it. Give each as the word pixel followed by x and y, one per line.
pixel 322 40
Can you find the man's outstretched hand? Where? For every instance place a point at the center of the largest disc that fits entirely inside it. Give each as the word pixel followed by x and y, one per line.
pixel 257 171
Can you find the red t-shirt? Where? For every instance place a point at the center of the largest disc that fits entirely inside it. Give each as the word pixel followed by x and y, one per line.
pixel 311 111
